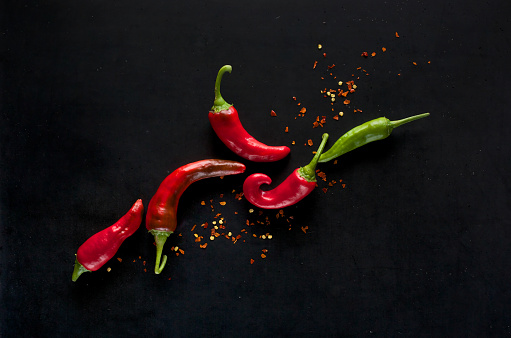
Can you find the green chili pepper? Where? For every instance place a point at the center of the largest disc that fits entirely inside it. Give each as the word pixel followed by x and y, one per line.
pixel 371 131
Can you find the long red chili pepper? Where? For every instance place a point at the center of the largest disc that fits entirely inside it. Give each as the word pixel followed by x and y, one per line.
pixel 292 190
pixel 102 246
pixel 225 121
pixel 161 218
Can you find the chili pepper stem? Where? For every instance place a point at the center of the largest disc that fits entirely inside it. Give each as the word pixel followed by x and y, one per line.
pixel 309 171
pixel 219 103
pixel 78 270
pixel 160 237
pixel 395 124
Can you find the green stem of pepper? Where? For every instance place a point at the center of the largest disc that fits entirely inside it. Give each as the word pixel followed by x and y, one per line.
pixel 78 270
pixel 160 237
pixel 219 103
pixel 309 171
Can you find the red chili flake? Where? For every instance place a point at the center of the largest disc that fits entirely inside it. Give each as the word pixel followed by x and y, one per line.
pixel 414 63
pixel 324 55
pixel 273 113
pixel 315 64
pixel 364 54
pixel 323 119
pixel 287 130
pixel 330 67
pixel 344 185
pixel 397 35
pixel 119 259
pixel 252 261
pixel 294 98
pixel 203 203
pixel 373 54
pixel 384 49
pixel 303 110
pixel 346 101
pixel 315 124
pixel 193 228
pixel 325 190
pixel 304 229
pixel 335 161
pixel 203 246
pixel 336 117
pixel 309 142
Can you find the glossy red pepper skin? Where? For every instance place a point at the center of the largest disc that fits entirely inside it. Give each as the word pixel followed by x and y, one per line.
pixel 292 190
pixel 161 220
pixel 102 246
pixel 225 121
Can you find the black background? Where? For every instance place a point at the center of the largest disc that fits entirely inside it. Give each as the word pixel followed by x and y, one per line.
pixel 100 101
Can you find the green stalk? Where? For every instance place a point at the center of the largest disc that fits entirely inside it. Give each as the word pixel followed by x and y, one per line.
pixel 309 171
pixel 160 237
pixel 78 270
pixel 219 103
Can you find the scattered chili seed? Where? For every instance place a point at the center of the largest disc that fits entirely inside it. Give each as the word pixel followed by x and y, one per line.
pixel 109 269
pixel 319 46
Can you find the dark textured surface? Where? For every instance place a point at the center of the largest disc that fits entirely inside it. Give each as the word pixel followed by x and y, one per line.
pixel 100 101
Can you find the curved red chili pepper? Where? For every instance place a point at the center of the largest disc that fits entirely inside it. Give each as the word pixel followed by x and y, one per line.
pixel 226 123
pixel 161 220
pixel 102 246
pixel 292 190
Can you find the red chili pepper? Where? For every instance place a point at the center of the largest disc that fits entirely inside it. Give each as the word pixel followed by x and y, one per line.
pixel 226 123
pixel 294 188
pixel 161 220
pixel 102 246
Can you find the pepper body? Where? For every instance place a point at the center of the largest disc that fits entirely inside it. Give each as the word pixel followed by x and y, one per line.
pixel 102 246
pixel 225 121
pixel 161 220
pixel 293 189
pixel 374 130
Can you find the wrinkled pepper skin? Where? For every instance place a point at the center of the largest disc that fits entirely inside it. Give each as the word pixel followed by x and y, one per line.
pixel 102 246
pixel 225 121
pixel 161 218
pixel 292 190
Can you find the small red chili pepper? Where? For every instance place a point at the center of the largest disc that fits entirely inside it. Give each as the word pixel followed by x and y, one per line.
pixel 294 188
pixel 102 246
pixel 161 220
pixel 226 123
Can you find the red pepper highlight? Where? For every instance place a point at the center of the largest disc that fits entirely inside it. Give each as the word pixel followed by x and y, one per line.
pixel 102 246
pixel 292 190
pixel 161 220
pixel 226 123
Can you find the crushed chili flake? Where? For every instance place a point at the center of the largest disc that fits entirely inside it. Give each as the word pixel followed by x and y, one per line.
pixel 397 35
pixel 294 98
pixel 346 101
pixel 304 229
pixel 330 67
pixel 309 142
pixel 223 203
pixel 119 259
pixel 324 55
pixel 287 130
pixel 384 49
pixel 203 246
pixel 315 64
pixel 414 63
pixel 365 54
pixel 273 113
pixel 193 228
pixel 336 117
pixel 263 256
pixel 252 261
pixel 373 54
pixel 303 110
pixel 325 190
